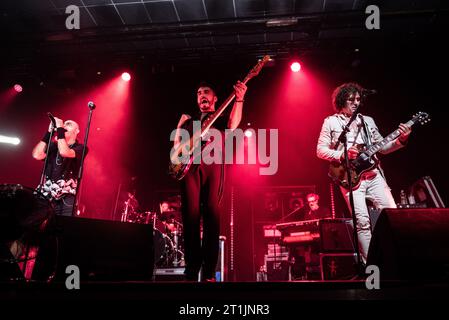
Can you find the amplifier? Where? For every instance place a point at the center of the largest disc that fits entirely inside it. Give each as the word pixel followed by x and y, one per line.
pixel 336 235
pixel 277 268
pixel 338 266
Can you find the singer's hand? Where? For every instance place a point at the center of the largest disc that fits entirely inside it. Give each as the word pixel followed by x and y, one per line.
pixel 50 127
pixel 59 123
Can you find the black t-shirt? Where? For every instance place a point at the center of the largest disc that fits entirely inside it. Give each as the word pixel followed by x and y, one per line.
pixel 63 168
pixel 222 121
pixel 221 124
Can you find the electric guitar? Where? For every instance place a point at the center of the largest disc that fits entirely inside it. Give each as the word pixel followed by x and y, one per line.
pixel 367 160
pixel 180 162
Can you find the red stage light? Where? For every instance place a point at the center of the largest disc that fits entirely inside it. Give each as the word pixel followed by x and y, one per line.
pixel 295 66
pixel 18 88
pixel 126 76
pixel 248 133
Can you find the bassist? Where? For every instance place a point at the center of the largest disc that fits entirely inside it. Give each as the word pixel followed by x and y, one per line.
pixel 202 188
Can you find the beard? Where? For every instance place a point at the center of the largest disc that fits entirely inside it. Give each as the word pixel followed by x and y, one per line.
pixel 205 105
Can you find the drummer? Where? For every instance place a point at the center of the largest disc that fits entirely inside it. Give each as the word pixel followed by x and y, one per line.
pixel 168 216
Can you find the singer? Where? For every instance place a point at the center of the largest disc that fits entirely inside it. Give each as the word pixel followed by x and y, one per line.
pixel 62 164
pixel 363 131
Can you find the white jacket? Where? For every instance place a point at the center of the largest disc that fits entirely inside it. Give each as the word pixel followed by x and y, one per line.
pixel 332 128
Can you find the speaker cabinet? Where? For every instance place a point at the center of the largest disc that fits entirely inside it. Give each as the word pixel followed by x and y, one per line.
pixel 411 244
pixel 103 250
pixel 336 235
pixel 338 266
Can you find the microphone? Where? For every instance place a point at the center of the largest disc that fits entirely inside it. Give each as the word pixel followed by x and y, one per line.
pixel 91 105
pixel 52 119
pixel 367 92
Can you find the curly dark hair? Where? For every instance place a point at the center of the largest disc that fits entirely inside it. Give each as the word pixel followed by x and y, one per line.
pixel 343 92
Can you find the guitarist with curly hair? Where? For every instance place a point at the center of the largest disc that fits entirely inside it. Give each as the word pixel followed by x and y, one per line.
pixel 363 131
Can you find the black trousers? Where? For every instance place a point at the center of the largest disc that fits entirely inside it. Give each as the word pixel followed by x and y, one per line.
pixel 200 195
pixel 64 206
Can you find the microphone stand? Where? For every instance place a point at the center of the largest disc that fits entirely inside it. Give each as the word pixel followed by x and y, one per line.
pixel 91 106
pixel 343 139
pixel 42 179
pixel 288 215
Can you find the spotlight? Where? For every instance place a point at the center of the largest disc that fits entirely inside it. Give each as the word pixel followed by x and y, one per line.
pixel 126 76
pixel 295 66
pixel 9 140
pixel 18 88
pixel 248 133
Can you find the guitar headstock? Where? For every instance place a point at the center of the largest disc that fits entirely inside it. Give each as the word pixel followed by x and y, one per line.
pixel 421 117
pixel 256 69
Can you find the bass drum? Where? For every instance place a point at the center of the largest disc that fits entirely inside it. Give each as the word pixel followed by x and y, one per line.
pixel 163 249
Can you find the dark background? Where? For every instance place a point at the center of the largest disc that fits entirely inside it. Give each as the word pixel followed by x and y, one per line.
pixel 408 79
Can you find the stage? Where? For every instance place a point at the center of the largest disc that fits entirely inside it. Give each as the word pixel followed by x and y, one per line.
pixel 231 292
pixel 95 97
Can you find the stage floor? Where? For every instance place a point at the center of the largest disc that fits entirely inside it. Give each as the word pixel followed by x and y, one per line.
pixel 180 291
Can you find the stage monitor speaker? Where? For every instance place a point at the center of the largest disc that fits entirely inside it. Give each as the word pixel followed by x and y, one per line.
pixel 411 244
pixel 103 250
pixel 336 235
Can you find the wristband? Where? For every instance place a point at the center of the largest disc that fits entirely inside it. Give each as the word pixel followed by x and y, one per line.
pixel 60 132
pixel 46 137
pixel 240 100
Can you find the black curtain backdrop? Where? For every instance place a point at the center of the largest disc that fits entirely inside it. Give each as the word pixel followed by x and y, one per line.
pixel 409 77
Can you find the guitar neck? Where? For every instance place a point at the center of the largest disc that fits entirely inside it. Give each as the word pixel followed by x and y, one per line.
pixel 378 146
pixel 209 121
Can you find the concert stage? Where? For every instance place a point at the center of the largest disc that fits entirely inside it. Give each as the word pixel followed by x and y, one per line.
pixel 234 291
pixel 141 140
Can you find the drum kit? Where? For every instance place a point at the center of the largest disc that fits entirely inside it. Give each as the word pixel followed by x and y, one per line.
pixel 167 231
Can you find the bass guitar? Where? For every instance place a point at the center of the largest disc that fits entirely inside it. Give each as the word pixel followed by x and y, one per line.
pixel 182 158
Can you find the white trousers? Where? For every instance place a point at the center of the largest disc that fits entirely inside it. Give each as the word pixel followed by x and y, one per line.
pixel 377 191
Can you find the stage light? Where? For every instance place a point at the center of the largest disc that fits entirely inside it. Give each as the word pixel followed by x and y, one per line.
pixel 248 133
pixel 126 76
pixel 10 140
pixel 295 66
pixel 18 88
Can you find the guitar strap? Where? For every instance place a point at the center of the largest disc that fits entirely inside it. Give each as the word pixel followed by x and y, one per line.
pixel 369 142
pixel 366 131
pixel 202 117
